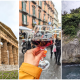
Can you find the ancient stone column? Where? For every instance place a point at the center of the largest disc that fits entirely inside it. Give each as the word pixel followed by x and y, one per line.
pixel 15 56
pixel 11 61
pixel 2 55
pixel 0 50
pixel 5 52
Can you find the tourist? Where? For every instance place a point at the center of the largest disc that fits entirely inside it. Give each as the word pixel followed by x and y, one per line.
pixel 57 43
pixel 55 36
pixel 58 49
pixel 29 43
pixel 29 68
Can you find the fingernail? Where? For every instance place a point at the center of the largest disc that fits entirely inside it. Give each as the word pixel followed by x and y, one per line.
pixel 45 51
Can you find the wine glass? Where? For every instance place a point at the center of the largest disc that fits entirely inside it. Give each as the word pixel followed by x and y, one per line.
pixel 42 37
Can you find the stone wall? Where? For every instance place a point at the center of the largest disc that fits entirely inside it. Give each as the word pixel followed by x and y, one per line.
pixel 8 67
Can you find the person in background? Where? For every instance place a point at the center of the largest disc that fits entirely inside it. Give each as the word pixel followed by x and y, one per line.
pixel 57 43
pixel 55 36
pixel 29 68
pixel 58 49
pixel 29 42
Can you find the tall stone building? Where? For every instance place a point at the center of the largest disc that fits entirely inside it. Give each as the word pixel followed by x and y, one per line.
pixel 8 46
pixel 33 13
pixel 55 18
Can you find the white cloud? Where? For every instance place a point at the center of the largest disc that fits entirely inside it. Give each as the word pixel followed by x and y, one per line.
pixel 68 5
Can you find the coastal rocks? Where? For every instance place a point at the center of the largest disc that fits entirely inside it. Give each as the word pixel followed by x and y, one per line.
pixel 71 52
pixel 78 33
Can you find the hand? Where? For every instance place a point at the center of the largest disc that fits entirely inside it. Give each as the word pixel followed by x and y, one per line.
pixel 33 56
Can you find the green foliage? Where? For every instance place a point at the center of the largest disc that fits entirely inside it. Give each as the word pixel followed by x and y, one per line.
pixel 70 23
pixel 75 10
pixel 69 30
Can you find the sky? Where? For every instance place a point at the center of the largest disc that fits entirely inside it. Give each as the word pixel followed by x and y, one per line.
pixel 57 4
pixel 9 15
pixel 67 5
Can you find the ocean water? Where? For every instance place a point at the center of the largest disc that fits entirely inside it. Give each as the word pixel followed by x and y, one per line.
pixel 71 71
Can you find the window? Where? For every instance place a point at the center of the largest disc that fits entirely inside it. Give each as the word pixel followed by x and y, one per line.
pixel 33 11
pixel 40 3
pixel 24 19
pixel 39 14
pixel 48 19
pixel 39 23
pixel 23 6
pixel 33 21
pixel 44 16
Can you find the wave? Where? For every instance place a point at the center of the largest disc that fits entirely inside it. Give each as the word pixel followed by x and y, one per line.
pixel 71 65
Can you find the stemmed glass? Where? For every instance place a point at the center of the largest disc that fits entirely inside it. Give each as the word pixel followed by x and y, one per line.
pixel 42 38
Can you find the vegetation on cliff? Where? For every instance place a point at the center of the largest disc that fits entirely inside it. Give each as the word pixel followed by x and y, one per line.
pixel 71 22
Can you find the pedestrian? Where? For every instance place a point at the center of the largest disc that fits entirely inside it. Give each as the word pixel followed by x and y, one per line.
pixel 29 43
pixel 58 49
pixel 55 35
pixel 29 68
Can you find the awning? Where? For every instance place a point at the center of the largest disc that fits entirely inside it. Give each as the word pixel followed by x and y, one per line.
pixel 24 28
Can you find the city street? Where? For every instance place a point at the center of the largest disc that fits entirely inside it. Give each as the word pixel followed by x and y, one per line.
pixel 53 72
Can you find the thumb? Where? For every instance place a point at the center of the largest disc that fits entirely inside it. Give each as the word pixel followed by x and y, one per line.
pixel 38 57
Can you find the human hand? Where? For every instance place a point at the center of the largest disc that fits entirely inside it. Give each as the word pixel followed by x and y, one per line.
pixel 33 56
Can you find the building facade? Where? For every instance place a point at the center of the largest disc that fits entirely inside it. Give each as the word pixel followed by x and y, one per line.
pixel 8 46
pixel 55 18
pixel 59 24
pixel 33 13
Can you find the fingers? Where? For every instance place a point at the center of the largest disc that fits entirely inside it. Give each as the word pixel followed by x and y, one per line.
pixel 41 54
pixel 36 49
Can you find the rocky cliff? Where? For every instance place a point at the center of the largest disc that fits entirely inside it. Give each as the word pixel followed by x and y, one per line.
pixel 71 50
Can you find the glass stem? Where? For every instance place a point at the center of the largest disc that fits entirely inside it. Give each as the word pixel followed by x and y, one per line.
pixel 42 59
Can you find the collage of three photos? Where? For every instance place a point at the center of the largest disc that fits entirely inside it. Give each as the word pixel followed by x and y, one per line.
pixel 40 39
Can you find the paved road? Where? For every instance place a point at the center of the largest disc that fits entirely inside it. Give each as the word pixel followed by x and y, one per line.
pixel 53 72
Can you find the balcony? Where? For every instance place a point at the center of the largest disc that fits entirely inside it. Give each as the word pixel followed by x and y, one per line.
pixel 25 24
pixel 26 1
pixel 40 6
pixel 44 11
pixel 24 11
pixel 40 19
pixel 33 25
pixel 48 5
pixel 34 16
pixel 52 24
pixel 48 14
pixel 34 2
pixel 45 21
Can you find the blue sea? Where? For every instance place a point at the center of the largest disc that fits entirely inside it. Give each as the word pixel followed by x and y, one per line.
pixel 71 71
